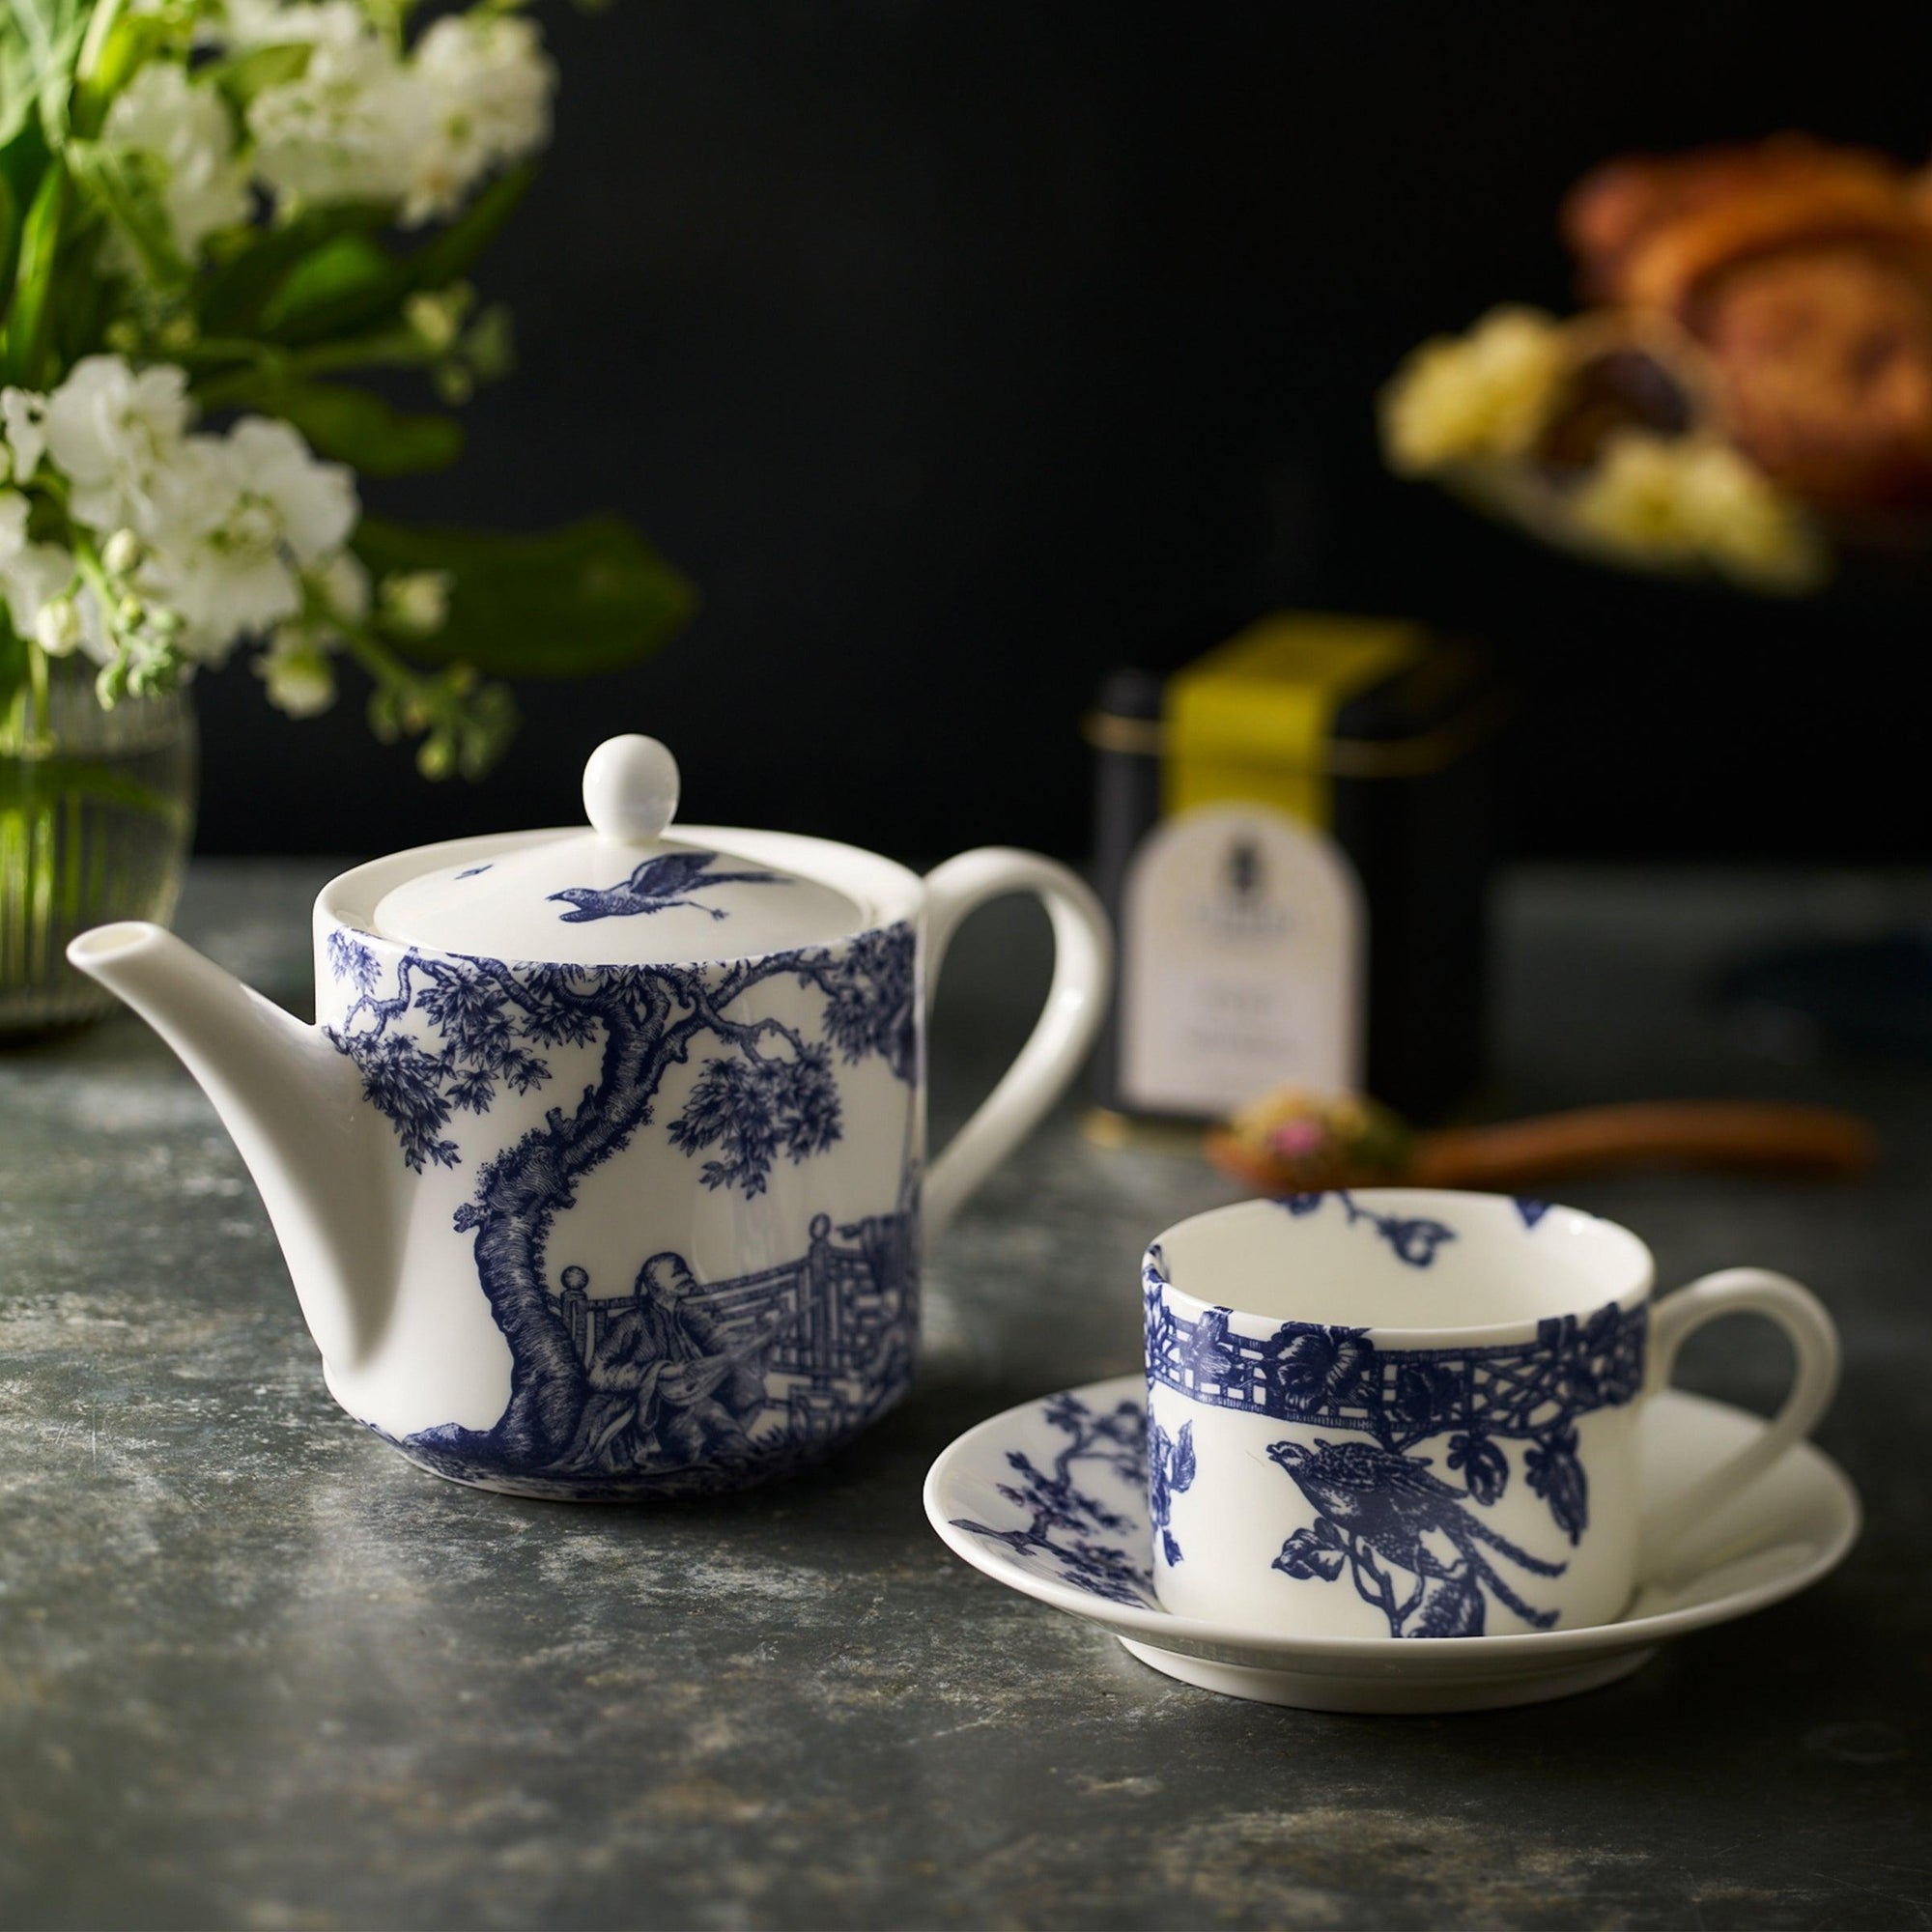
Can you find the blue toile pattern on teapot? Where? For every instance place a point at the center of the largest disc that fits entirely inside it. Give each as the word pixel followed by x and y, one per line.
pixel 1414 1544
pixel 678 1384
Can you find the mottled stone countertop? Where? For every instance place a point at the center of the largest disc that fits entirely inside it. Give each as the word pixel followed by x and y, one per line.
pixel 257 1670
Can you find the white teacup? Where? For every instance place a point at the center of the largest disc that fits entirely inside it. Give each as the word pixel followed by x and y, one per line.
pixel 1409 1413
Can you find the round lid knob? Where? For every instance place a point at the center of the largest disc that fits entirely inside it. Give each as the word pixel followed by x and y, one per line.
pixel 630 788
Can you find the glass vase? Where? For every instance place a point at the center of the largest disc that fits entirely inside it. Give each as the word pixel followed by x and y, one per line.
pixel 96 814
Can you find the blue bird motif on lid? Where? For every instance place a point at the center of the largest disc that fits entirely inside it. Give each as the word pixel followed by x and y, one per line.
pixel 655 886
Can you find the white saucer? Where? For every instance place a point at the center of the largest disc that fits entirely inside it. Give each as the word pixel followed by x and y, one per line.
pixel 1077 1537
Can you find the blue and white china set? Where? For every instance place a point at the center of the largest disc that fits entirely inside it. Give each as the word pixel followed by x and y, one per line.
pixel 603 1174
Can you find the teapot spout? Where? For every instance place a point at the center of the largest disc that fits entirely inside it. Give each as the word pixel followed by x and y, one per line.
pixel 293 1107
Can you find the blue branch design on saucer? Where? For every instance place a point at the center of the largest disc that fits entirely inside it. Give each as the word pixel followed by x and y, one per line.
pixel 1090 1544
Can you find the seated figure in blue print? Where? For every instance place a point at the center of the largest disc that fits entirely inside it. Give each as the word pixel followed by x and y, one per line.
pixel 669 1387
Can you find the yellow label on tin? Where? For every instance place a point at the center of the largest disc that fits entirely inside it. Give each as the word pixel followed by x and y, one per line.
pixel 1251 721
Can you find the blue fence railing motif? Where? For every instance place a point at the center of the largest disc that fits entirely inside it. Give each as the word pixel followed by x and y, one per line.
pixel 839 1319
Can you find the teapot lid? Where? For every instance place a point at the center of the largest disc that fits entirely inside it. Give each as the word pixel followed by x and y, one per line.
pixel 620 894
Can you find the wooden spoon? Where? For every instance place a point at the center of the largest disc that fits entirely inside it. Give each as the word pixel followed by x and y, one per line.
pixel 1292 1142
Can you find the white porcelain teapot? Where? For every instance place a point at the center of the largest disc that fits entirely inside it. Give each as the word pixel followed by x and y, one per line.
pixel 602 1173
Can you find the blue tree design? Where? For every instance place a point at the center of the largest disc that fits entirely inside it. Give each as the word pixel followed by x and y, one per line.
pixel 771 1095
pixel 1079 1535
pixel 1413 1239
pixel 753 1110
pixel 1484 1466
pixel 1171 1469
pixel 1553 1472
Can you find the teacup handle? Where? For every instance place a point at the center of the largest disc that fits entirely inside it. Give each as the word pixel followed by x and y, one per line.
pixel 1083 954
pixel 1814 1340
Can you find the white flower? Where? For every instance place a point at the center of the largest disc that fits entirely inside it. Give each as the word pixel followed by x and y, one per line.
pixel 185 131
pixel 314 501
pixel 486 85
pixel 247 24
pixel 121 553
pixel 295 668
pixel 31 574
pixel 346 131
pixel 113 429
pixel 23 414
pixel 416 602
pixel 343 584
pixel 233 526
pixel 363 123
pixel 437 315
pixel 35 572
pixel 57 627
pixel 13 508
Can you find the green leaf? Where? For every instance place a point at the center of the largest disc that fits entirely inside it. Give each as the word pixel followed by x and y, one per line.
pixel 117 45
pixel 125 188
pixel 242 76
pixel 40 43
pixel 29 316
pixel 10 236
pixel 81 310
pixel 358 427
pixel 589 597
pixel 15 666
pixel 326 275
pixel 453 251
pixel 237 292
pixel 17 93
pixel 372 297
pixel 342 270
pixel 24 160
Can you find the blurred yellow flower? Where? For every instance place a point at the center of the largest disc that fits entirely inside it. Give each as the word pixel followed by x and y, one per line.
pixel 1691 500
pixel 1483 394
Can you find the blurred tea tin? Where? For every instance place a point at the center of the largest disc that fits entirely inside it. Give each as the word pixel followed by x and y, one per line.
pixel 1294 836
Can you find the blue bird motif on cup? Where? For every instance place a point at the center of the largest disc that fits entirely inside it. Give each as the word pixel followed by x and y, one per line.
pixel 1415 1550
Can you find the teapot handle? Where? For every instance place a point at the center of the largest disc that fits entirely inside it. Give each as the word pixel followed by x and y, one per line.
pixel 1076 1003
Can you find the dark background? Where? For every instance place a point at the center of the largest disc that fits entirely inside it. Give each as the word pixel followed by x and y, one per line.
pixel 961 351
